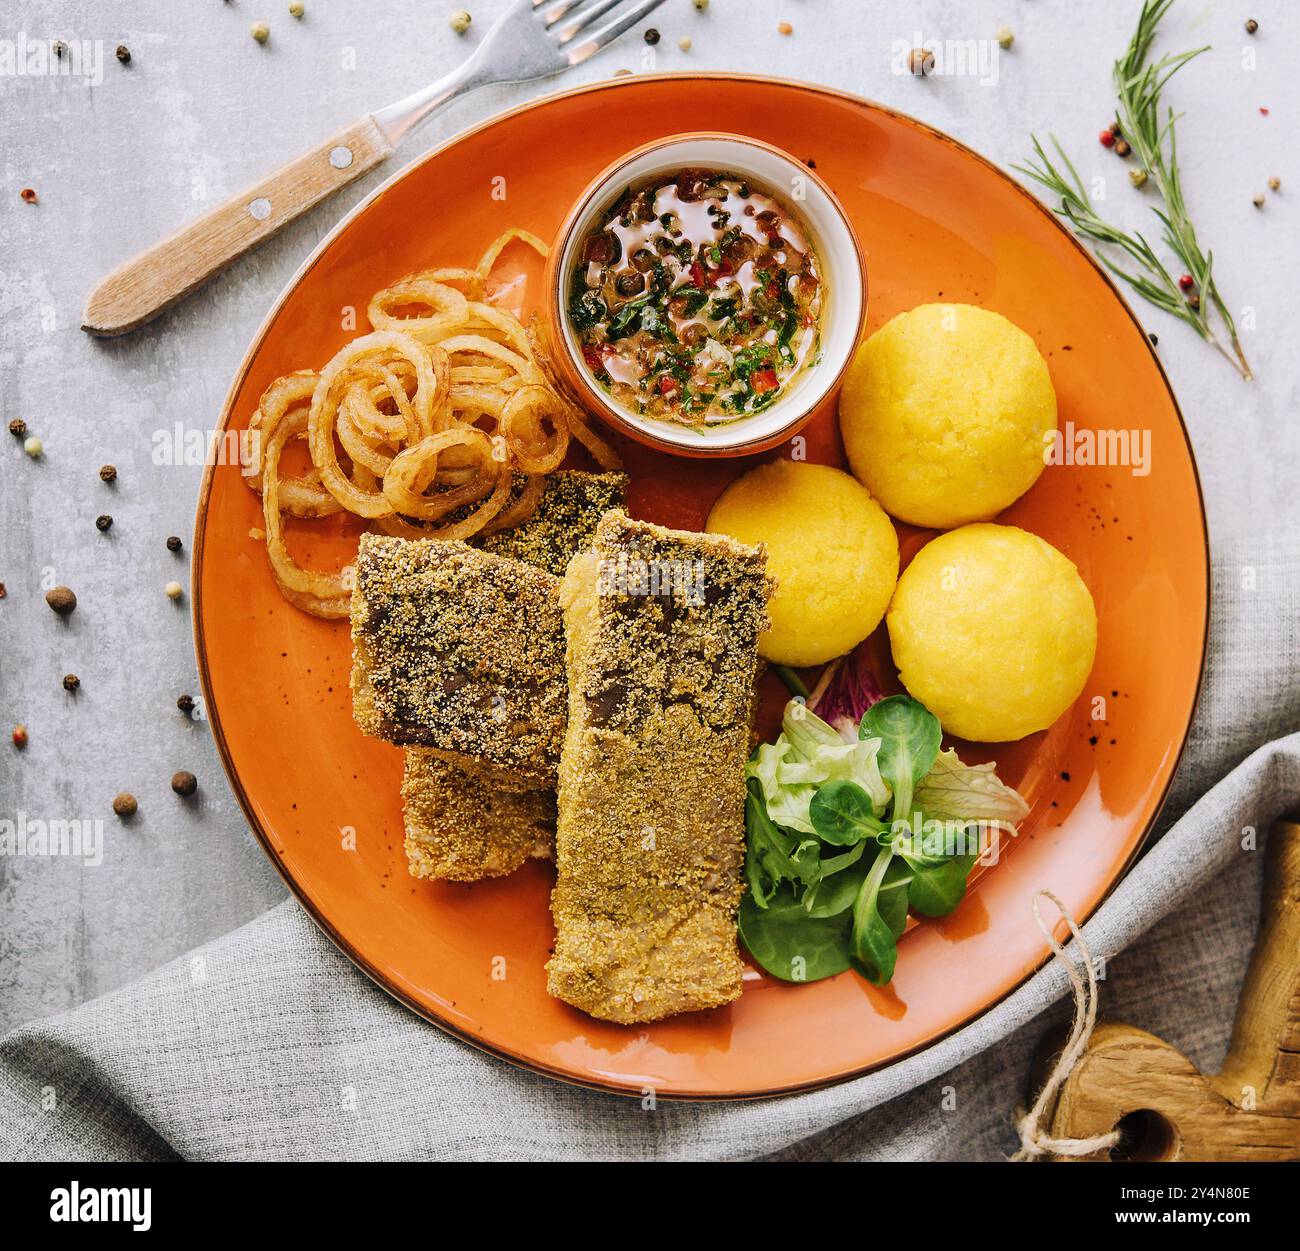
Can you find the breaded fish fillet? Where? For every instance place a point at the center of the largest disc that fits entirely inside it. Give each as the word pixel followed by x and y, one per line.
pixel 462 826
pixel 564 521
pixel 662 629
pixel 461 652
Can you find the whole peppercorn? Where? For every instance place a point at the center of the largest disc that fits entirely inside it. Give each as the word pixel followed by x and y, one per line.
pixel 58 47
pixel 1005 38
pixel 61 600
pixel 1186 281
pixel 1251 26
pixel 1122 148
pixel 173 590
pixel 103 522
pixel 701 5
pixel 920 61
pixel 784 28
pixel 1275 183
pixel 1138 177
pixel 684 43
pixel 1106 138
pixel 260 31
pixel 71 682
pixel 33 447
pixel 651 36
pixel 173 543
pixel 461 20
pixel 297 8
pixel 124 805
pixel 184 782
pixel 28 195
pixel 1257 201
pixel 107 473
pixel 1193 301
pixel 18 428
pixel 186 704
pixel 20 736
pixel 123 54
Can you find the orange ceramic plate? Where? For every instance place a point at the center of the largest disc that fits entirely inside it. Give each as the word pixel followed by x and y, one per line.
pixel 937 222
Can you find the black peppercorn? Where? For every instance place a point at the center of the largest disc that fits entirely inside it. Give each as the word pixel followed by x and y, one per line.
pixel 652 36
pixel 186 704
pixel 184 783
pixel 18 427
pixel 103 522
pixel 71 681
pixel 173 543
pixel 123 53
pixel 107 473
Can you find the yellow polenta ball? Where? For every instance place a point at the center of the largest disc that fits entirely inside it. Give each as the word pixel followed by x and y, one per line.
pixel 830 547
pixel 994 631
pixel 944 413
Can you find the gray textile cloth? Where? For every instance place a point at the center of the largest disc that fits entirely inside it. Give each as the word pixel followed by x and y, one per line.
pixel 267 1044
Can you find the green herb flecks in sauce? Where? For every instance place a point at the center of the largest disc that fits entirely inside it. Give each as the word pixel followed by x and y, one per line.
pixel 698 300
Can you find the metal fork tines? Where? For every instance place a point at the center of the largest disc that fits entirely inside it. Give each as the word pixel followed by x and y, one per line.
pixel 581 14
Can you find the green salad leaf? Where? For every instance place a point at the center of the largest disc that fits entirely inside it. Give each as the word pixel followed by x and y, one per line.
pixel 808 754
pixel 843 814
pixel 953 791
pixel 937 889
pixel 909 735
pixel 879 918
pixel 848 832
pixel 789 943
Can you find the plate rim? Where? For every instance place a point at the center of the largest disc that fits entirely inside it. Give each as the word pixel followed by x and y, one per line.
pixel 331 931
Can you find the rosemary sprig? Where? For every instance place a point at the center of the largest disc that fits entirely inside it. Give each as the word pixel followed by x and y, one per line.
pixel 1149 129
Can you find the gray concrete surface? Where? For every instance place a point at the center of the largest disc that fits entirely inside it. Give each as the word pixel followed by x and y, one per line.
pixel 202 110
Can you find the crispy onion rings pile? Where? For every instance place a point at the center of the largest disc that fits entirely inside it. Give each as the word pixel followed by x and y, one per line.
pixel 426 426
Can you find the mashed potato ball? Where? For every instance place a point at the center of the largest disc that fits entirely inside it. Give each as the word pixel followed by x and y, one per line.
pixel 943 414
pixel 831 548
pixel 994 631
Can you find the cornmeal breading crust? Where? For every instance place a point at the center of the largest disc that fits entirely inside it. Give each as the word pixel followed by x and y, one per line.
pixel 650 832
pixel 461 652
pixel 462 826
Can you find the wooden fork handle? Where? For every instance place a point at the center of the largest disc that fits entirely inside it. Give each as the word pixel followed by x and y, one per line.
pixel 138 291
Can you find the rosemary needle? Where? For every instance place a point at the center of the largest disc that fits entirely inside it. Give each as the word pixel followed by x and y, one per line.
pixel 1149 128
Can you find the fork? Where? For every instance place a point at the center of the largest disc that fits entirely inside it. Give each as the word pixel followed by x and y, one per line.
pixel 531 39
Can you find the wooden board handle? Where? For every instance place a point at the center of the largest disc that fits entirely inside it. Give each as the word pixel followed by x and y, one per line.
pixel 1132 1080
pixel 138 291
pixel 1263 1059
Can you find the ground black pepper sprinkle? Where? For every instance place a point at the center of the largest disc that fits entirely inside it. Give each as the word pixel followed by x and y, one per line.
pixel 103 522
pixel 107 473
pixel 184 783
pixel 18 428
pixel 71 682
pixel 173 543
pixel 186 704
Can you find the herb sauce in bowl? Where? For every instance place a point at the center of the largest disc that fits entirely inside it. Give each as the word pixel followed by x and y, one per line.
pixel 698 300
